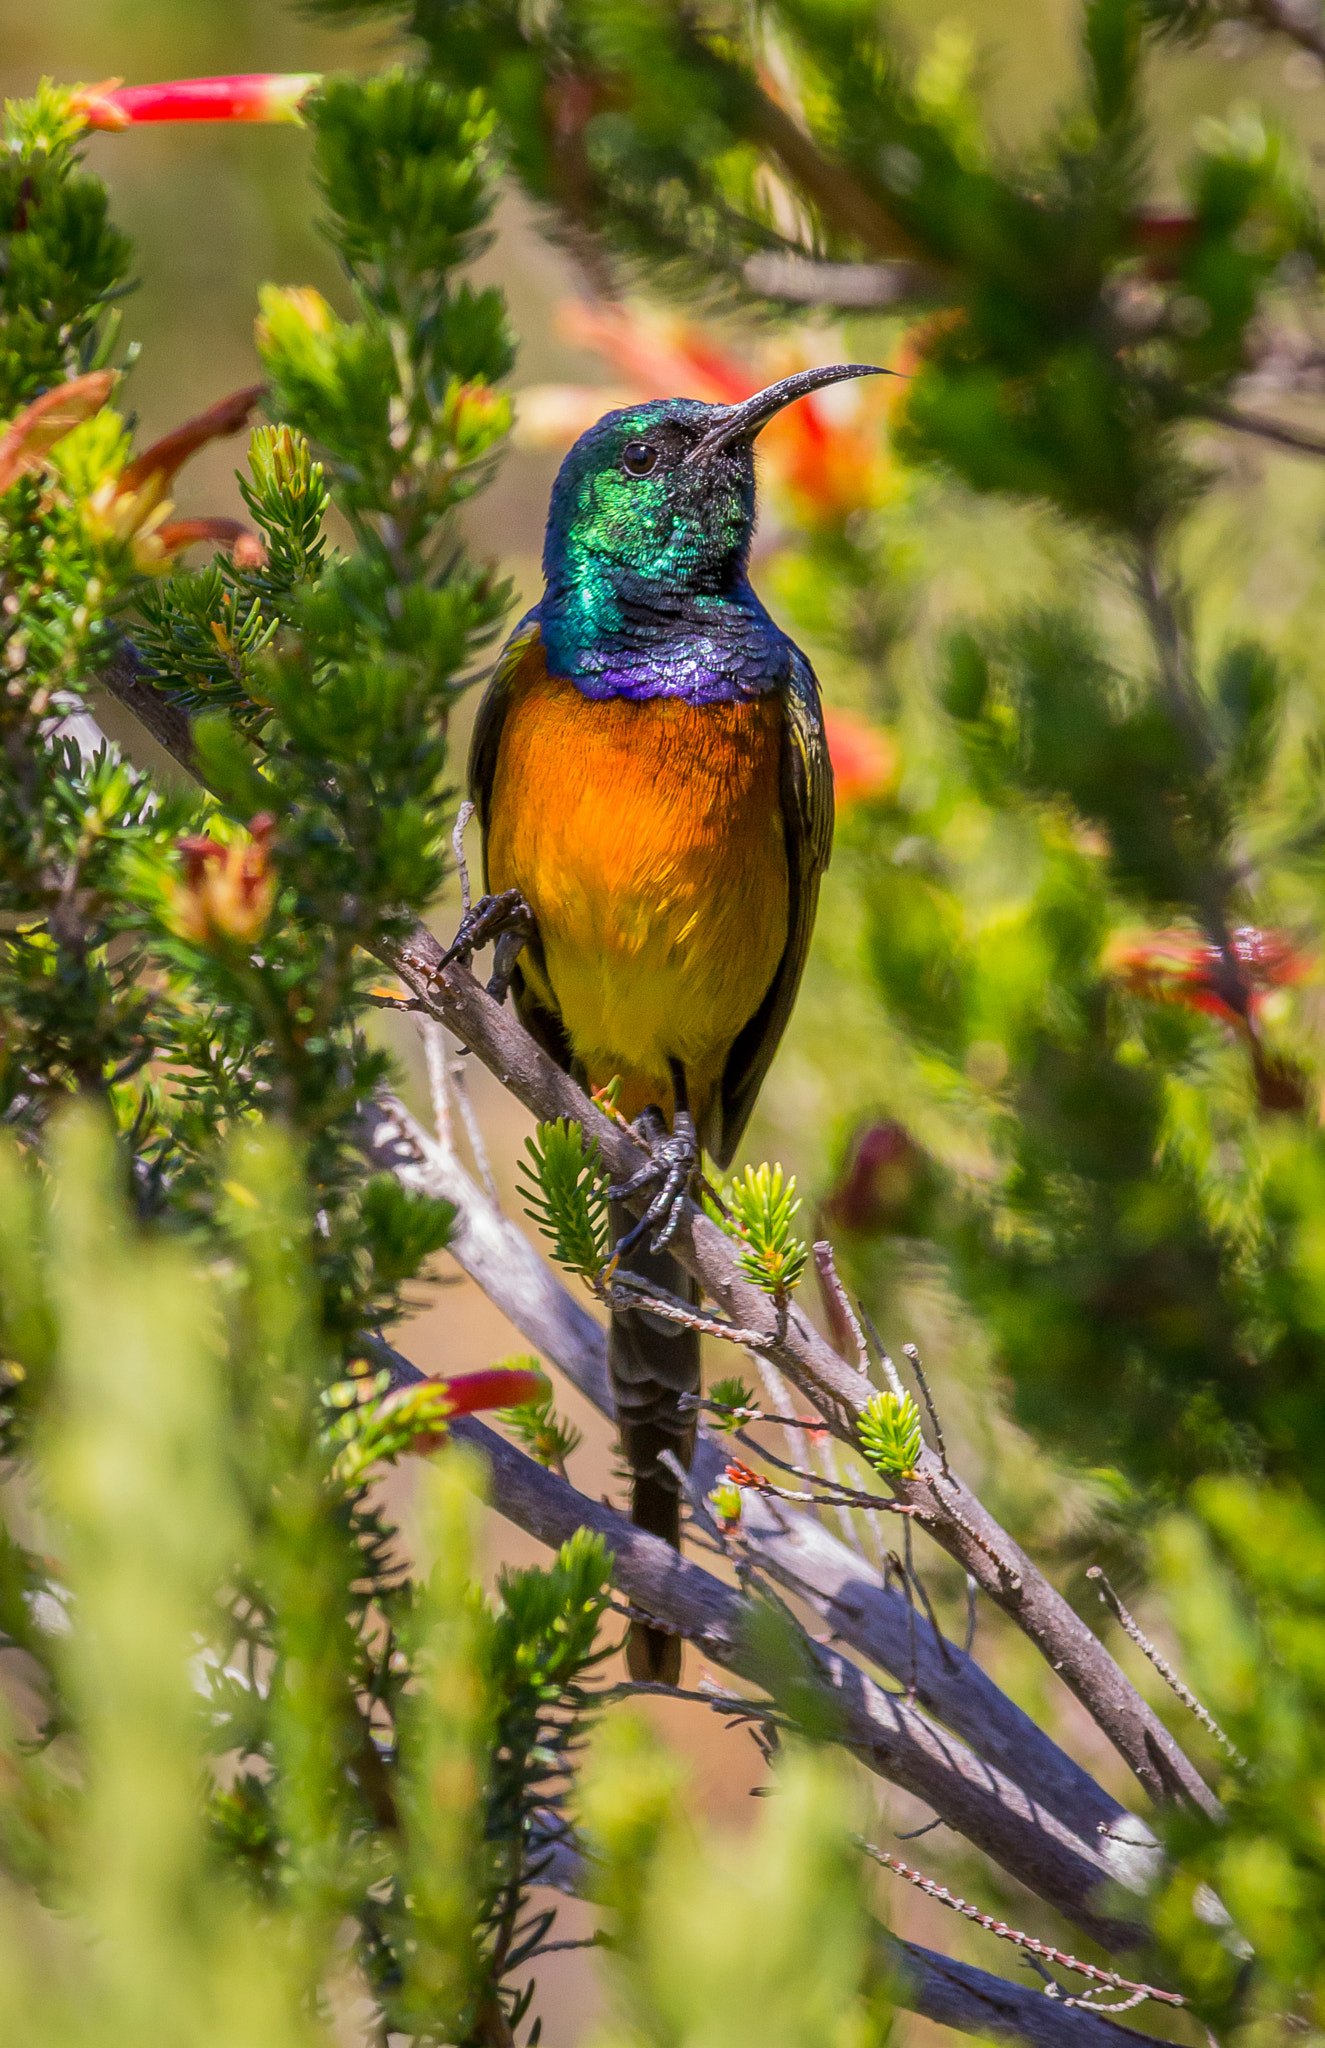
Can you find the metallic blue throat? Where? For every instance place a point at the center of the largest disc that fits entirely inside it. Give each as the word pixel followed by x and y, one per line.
pixel 640 639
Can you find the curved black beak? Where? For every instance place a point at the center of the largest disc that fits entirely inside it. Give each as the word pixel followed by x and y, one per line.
pixel 742 422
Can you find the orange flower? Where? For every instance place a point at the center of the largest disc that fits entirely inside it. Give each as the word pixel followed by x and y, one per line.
pixel 129 504
pixel 1175 966
pixel 864 758
pixel 227 891
pixel 31 435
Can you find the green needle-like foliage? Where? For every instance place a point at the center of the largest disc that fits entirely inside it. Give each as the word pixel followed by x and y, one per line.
pixel 546 1435
pixel 730 1401
pixel 192 1278
pixel 761 1206
pixel 564 1195
pixel 890 1434
pixel 1082 1077
pixel 777 1948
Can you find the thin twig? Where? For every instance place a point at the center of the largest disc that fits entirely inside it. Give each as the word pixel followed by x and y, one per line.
pixel 971 1591
pixel 460 1082
pixel 889 1370
pixel 852 1495
pixel 860 286
pixel 434 1052
pixel 807 1439
pixel 699 1507
pixel 1166 1671
pixel 731 1703
pixel 1288 19
pixel 836 1297
pixel 914 1834
pixel 462 818
pixel 777 1394
pixel 628 1289
pixel 909 1351
pixel 1297 438
pixel 934 1890
pixel 944 1647
pixel 906 1567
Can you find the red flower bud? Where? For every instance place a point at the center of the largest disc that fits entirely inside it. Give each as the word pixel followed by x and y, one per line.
pixel 737 1474
pixel 879 1181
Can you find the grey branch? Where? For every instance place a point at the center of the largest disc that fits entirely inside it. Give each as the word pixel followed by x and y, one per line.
pixel 890 1736
pixel 1026 1835
pixel 948 1509
pixel 954 1994
pixel 796 1550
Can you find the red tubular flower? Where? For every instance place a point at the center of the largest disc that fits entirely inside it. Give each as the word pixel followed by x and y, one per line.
pixel 500 1386
pixel 252 96
pixel 168 455
pixel 244 547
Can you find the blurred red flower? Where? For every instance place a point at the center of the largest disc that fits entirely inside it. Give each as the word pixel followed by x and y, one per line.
pixel 864 758
pixel 1176 966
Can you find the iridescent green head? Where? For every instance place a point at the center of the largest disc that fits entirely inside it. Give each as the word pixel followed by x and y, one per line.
pixel 665 493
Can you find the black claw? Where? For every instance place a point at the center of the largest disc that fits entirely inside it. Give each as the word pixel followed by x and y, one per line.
pixel 671 1167
pixel 507 919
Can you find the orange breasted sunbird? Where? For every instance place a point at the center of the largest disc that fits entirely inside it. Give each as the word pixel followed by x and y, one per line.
pixel 652 780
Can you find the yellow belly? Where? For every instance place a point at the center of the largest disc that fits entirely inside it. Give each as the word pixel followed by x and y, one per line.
pixel 648 841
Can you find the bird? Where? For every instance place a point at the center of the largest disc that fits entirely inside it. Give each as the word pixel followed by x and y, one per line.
pixel 655 797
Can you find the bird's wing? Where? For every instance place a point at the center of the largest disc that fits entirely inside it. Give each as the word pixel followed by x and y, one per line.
pixel 807 810
pixel 524 648
pixel 525 644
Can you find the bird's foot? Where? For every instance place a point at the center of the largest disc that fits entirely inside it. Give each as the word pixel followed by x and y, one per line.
pixel 671 1167
pixel 506 918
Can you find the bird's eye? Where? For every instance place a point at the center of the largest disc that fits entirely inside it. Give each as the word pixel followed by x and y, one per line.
pixel 639 457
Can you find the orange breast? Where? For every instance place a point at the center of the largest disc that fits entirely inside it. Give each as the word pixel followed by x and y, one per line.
pixel 648 841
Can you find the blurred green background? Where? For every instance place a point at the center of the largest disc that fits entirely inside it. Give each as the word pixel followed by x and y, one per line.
pixel 217 212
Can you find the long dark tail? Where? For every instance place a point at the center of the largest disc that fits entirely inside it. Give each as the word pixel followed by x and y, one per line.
pixel 653 1362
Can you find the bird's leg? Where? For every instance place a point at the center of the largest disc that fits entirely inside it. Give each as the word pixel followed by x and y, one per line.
pixel 507 919
pixel 670 1168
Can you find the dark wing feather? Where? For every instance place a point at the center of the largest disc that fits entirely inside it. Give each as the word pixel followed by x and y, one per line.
pixel 807 809
pixel 524 647
pixel 524 644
